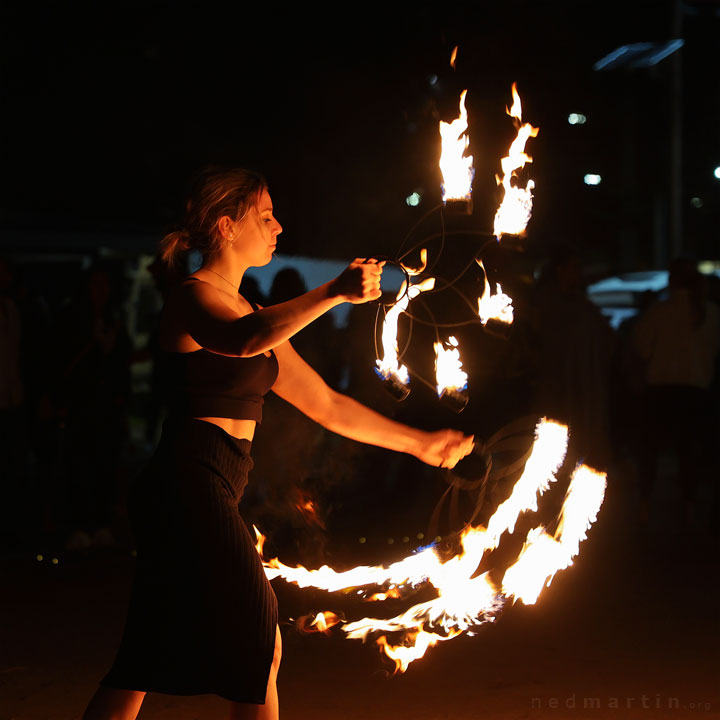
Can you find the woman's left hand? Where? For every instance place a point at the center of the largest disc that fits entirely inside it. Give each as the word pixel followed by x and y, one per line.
pixel 445 448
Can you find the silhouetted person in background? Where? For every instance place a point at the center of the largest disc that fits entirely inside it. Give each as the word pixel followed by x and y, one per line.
pixel 314 342
pixel 13 418
pixel 161 379
pixel 676 340
pixel 574 344
pixel 250 289
pixel 94 354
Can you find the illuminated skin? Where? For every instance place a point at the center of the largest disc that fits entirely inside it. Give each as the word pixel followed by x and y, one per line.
pixel 209 313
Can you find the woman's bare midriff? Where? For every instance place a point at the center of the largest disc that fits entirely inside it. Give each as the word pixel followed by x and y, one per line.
pixel 240 429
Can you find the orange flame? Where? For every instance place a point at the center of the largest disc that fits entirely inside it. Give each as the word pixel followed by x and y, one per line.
pixel 542 555
pixel 456 168
pixel 514 212
pixel 391 593
pixel 449 374
pixel 453 57
pixel 306 505
pixel 389 366
pixel 322 622
pixel 464 600
pixel 496 306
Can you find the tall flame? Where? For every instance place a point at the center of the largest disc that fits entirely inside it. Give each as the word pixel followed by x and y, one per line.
pixel 455 166
pixel 464 600
pixel 389 364
pixel 515 209
pixel 496 306
pixel 543 555
pixel 449 374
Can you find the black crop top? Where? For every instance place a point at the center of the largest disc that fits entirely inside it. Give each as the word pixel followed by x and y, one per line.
pixel 205 384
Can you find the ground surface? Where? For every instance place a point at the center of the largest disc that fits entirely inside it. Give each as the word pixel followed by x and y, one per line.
pixel 633 626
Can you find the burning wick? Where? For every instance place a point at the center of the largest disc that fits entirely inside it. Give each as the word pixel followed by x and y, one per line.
pixel 456 168
pixel 395 377
pixel 495 310
pixel 515 209
pixel 451 378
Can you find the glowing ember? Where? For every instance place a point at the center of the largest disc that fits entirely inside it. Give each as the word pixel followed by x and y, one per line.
pixel 456 167
pixel 306 506
pixel 379 597
pixel 448 368
pixel 322 622
pixel 496 306
pixel 453 57
pixel 542 555
pixel 388 366
pixel 516 207
pixel 463 600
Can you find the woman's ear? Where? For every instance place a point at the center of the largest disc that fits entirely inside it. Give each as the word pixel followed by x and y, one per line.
pixel 225 226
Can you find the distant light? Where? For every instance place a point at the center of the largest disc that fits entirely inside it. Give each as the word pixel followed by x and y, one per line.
pixel 39 557
pixel 361 540
pixel 390 541
pixel 413 199
pixel 696 202
pixel 716 172
pixel 405 539
pixel 577 119
pixel 592 179
pixel 708 267
pixel 432 79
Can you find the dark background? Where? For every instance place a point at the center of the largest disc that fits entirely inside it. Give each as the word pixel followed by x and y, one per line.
pixel 109 110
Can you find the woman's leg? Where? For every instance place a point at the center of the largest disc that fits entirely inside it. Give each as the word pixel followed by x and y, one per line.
pixel 112 704
pixel 270 710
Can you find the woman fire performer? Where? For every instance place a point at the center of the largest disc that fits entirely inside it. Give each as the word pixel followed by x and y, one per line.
pixel 202 615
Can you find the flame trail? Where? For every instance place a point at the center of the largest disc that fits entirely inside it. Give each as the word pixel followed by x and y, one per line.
pixel 542 555
pixel 463 600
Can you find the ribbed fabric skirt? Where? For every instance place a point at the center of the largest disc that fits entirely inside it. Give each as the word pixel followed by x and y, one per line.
pixel 202 616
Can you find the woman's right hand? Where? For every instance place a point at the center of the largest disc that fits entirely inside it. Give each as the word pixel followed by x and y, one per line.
pixel 360 281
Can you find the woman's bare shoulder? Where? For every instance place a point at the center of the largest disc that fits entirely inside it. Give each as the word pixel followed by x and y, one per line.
pixel 173 334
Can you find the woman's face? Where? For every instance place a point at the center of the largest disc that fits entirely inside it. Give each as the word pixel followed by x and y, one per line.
pixel 255 236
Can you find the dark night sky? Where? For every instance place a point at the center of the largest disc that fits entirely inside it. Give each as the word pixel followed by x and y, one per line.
pixel 109 110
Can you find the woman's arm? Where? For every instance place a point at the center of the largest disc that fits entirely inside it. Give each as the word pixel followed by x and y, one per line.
pixel 302 387
pixel 216 327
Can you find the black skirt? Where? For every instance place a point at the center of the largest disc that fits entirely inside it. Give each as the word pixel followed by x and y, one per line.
pixel 202 616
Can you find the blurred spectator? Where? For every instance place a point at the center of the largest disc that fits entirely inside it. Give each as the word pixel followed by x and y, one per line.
pixel 676 340
pixel 314 341
pixel 162 380
pixel 13 420
pixel 250 290
pixel 574 346
pixel 92 394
